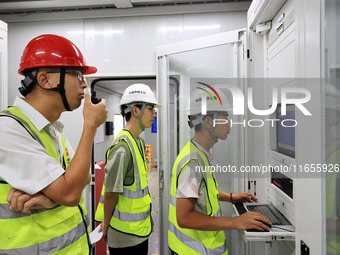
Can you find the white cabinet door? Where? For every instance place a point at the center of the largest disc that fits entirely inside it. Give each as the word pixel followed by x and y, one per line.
pixel 213 60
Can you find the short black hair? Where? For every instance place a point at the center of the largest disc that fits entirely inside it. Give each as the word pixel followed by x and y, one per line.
pixel 198 127
pixel 31 76
pixel 128 114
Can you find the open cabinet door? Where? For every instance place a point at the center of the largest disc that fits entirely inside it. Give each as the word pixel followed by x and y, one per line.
pixel 215 59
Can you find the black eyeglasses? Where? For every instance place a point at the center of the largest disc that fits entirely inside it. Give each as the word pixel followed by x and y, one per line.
pixel 77 72
pixel 152 109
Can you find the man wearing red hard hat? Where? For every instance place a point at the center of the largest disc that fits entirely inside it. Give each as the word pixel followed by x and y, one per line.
pixel 41 177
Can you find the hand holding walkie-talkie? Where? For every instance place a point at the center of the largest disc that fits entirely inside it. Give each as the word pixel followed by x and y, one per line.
pixel 94 99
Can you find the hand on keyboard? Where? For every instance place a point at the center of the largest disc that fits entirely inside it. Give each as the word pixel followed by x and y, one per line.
pixel 251 220
pixel 268 212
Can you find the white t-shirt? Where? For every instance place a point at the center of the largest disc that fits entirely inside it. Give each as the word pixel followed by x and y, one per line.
pixel 191 184
pixel 24 163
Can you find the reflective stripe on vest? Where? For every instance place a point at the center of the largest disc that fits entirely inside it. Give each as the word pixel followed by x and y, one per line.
pixel 131 194
pixel 132 214
pixel 24 124
pixel 193 155
pixel 193 244
pixel 6 213
pixel 189 241
pixel 43 231
pixel 50 246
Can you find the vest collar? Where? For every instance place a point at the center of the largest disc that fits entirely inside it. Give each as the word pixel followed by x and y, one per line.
pixel 37 119
pixel 207 153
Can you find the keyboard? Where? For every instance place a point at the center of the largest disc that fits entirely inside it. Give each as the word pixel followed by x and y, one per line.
pixel 269 212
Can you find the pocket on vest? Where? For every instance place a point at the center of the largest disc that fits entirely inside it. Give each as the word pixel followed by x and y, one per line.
pixel 141 205
pixel 53 217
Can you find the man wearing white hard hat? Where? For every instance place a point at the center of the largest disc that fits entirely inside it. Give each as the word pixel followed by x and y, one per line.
pixel 196 223
pixel 126 211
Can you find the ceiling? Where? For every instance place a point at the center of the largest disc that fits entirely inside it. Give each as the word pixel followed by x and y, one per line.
pixel 38 10
pixel 41 6
pixel 118 85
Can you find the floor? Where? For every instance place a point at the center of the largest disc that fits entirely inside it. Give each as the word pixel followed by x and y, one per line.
pixel 154 190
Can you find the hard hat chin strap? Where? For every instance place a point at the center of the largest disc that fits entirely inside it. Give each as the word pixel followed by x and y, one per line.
pixel 129 109
pixel 31 78
pixel 199 120
pixel 61 88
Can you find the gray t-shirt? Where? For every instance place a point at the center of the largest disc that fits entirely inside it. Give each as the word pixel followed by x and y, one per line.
pixel 119 172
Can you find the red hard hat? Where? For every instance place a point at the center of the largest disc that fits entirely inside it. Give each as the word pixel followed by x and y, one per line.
pixel 52 50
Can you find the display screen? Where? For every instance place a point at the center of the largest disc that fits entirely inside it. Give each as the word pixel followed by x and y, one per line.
pixel 286 131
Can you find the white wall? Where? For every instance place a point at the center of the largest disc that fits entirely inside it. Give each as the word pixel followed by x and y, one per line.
pixel 112 104
pixel 3 65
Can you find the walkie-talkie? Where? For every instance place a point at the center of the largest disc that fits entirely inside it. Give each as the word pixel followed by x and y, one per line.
pixel 94 99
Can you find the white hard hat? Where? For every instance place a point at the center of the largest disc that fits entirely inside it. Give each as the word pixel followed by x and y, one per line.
pixel 215 101
pixel 139 93
pixel 206 100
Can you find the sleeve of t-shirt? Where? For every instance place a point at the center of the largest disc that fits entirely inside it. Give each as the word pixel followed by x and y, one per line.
pixel 189 181
pixel 24 162
pixel 116 167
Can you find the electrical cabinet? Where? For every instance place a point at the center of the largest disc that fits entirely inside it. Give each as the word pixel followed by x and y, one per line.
pixel 285 53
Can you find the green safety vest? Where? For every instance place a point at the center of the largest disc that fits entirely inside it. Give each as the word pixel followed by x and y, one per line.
pixel 333 240
pixel 59 230
pixel 132 214
pixel 189 241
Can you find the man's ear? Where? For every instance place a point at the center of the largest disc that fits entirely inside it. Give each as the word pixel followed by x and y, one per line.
pixel 43 81
pixel 208 121
pixel 136 111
